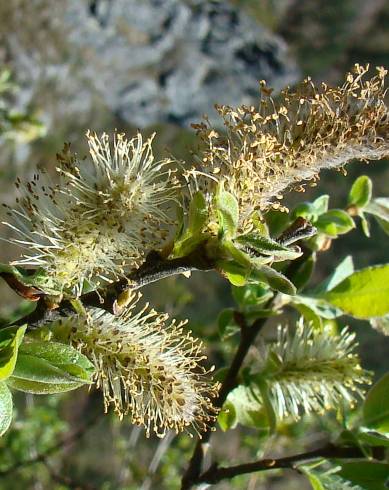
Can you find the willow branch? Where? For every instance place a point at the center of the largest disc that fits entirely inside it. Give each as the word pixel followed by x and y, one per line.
pixel 155 268
pixel 215 473
pixel 248 335
pixel 247 338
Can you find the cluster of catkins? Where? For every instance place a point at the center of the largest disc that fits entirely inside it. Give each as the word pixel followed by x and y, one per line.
pixel 103 215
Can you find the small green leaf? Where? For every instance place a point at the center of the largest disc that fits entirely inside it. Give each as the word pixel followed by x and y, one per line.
pixel 379 208
pixel 321 204
pixel 227 417
pixel 5 408
pixel 376 407
pixel 62 356
pixel 228 212
pixel 310 315
pixel 344 269
pixel 275 279
pixel 267 404
pixel 40 279
pixel 360 193
pixel 260 225
pixel 10 339
pixel 276 221
pixel 335 222
pixel 305 210
pixel 368 475
pixel 251 295
pixel 321 307
pixel 198 213
pixel 345 474
pixel 230 251
pixel 303 273
pixel 371 438
pixel 364 294
pixel 366 226
pixel 227 325
pixel 235 273
pixel 50 367
pixel 180 223
pixel 261 245
pixel 248 408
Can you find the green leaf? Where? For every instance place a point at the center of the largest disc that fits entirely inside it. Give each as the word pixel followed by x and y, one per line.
pixel 335 222
pixel 303 272
pixel 40 279
pixel 230 251
pixel 344 269
pixel 251 295
pixel 198 213
pixel 261 245
pixel 366 226
pixel 50 367
pixel 10 339
pixel 379 208
pixel 188 239
pixel 364 294
pixel 228 212
pixel 321 307
pixel 227 417
pixel 5 408
pixel 275 279
pixel 376 407
pixel 235 273
pixel 371 438
pixel 360 193
pixel 180 223
pixel 305 210
pixel 329 479
pixel 321 204
pixel 276 221
pixel 309 315
pixel 368 475
pixel 267 404
pixel 248 408
pixel 62 356
pixel 227 325
pixel 259 224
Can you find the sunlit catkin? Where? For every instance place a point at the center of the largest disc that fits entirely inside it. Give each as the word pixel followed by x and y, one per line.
pixel 314 371
pixel 101 217
pixel 282 143
pixel 147 368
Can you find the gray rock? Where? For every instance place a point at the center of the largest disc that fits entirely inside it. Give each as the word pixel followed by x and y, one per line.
pixel 148 61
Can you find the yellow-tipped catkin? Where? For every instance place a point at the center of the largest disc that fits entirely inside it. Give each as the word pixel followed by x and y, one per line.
pixel 316 371
pixel 280 144
pixel 147 368
pixel 101 217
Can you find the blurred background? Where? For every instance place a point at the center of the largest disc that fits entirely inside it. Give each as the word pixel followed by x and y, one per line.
pixel 74 65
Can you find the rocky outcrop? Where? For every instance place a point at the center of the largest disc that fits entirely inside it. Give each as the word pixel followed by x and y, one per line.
pixel 145 61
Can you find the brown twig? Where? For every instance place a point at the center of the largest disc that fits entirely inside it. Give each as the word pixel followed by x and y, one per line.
pixel 215 473
pixel 153 269
pixel 248 335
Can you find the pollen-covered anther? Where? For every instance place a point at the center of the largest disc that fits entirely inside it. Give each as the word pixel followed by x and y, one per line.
pixel 146 368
